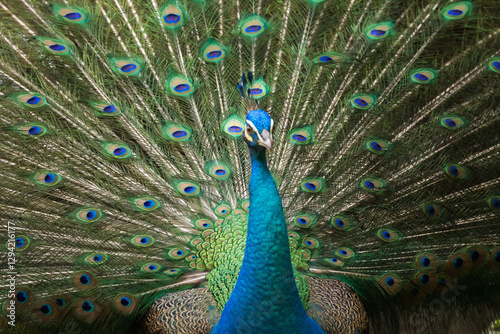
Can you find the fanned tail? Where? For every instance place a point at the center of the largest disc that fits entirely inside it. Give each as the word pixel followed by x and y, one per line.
pixel 124 179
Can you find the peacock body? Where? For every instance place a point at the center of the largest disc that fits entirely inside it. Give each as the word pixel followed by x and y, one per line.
pixel 140 192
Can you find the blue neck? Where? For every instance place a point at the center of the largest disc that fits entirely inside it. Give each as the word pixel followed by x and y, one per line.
pixel 265 298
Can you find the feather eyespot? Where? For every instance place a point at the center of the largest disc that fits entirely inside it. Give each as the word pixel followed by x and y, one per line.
pixel 363 101
pixel 90 215
pixel 172 16
pixel 379 30
pixel 96 258
pixel 187 188
pixel 457 11
pixel 57 47
pixel 305 254
pixel 233 126
pixel 22 296
pixel 494 64
pixel 105 108
pixel 222 210
pixel 301 136
pixel 73 16
pixel 32 130
pixel 45 311
pixel 126 66
pixel 245 205
pixel 305 220
pixel 143 240
pixel 373 184
pixel 311 243
pixel 423 75
pixel 494 203
pixel 119 151
pixel 377 146
pixel 344 252
pixel 343 222
pixel 191 258
pixel 87 306
pixel 180 86
pixel 257 89
pixel 47 178
pixel 334 261
pixel 218 170
pixel 145 203
pixel 426 280
pixel 173 272
pixel 330 58
pixel 70 14
pixel 494 259
pixel 203 224
pixel 30 99
pixel 84 280
pixel 426 261
pixel 176 253
pixel 478 255
pixel 54 46
pixel 432 210
pixel 151 268
pixel 87 309
pixel 312 185
pixel 390 283
pixel 452 122
pixel 459 264
pixel 212 51
pixel 252 26
pixel 21 242
pixel 176 132
pixel 125 303
pixel 387 235
pixel 456 171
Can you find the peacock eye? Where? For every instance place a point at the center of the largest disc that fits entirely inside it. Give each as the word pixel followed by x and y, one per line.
pixel 249 130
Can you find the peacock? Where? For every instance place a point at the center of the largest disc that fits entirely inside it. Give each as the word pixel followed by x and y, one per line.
pixel 270 166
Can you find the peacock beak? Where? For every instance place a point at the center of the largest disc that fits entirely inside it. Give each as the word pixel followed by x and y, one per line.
pixel 266 140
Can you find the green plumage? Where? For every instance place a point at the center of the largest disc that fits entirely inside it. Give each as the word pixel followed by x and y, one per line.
pixel 124 177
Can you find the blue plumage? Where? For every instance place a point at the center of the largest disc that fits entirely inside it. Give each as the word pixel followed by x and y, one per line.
pixel 265 298
pixel 260 119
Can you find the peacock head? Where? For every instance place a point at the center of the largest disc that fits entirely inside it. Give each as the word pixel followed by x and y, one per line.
pixel 258 132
